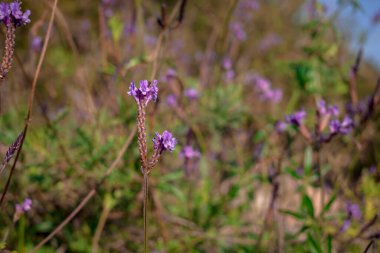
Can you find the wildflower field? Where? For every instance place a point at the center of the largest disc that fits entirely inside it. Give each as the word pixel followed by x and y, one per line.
pixel 188 126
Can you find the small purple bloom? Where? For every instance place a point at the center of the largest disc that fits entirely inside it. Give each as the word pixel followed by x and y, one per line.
pixel 170 73
pixel 188 152
pixel 296 118
pixel 24 207
pixel 334 126
pixel 266 92
pixel 226 63
pixel 229 75
pixel 346 225
pixel 325 109
pixel 280 126
pixel 333 110
pixel 269 41
pixel 191 93
pixel 238 31
pixel 372 169
pixel 353 211
pixel 171 100
pixel 322 107
pixel 251 4
pixel 347 125
pixel 36 44
pixel 163 142
pixel 146 92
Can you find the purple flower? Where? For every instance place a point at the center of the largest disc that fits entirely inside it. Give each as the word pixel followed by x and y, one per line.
pixel 171 100
pixel 334 126
pixel 325 109
pixel 353 211
pixel 333 110
pixel 296 118
pixel 266 92
pixel 163 142
pixel 226 63
pixel 170 73
pixel 188 152
pixel 251 4
pixel 191 93
pixel 269 41
pixel 343 127
pixel 280 126
pixel 347 125
pixel 24 207
pixel 322 107
pixel 146 92
pixel 372 169
pixel 238 31
pixel 346 225
pixel 274 95
pixel 36 44
pixel 12 13
pixel 229 75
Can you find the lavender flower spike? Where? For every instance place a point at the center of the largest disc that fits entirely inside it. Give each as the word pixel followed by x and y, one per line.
pixel 146 92
pixel 163 142
pixel 11 14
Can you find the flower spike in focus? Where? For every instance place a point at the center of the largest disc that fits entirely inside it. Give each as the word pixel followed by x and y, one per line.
pixel 146 92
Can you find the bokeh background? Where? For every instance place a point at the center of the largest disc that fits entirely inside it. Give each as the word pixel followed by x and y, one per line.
pixel 243 176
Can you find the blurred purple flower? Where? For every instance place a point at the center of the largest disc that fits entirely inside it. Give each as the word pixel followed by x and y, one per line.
pixel 266 92
pixel 188 152
pixel 238 31
pixel 334 126
pixel 24 207
pixel 343 127
pixel 280 126
pixel 191 93
pixel 250 4
pixel 346 225
pixel 170 73
pixel 325 109
pixel 269 41
pixel 146 92
pixel 36 44
pixel 353 211
pixel 229 75
pixel 163 142
pixel 296 118
pixel 347 125
pixel 226 63
pixel 372 169
pixel 333 110
pixel 171 100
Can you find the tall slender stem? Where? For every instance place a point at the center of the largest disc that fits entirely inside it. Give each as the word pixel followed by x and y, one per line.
pixel 145 186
